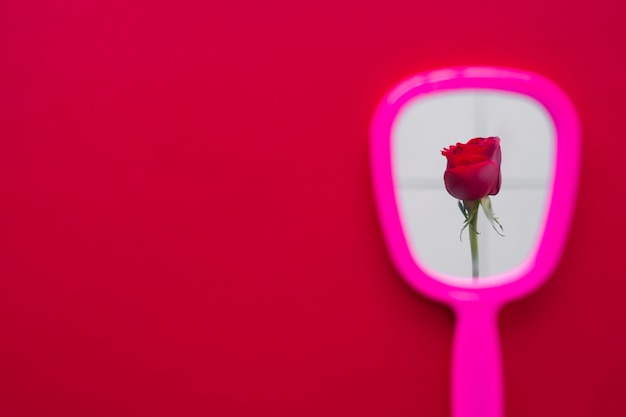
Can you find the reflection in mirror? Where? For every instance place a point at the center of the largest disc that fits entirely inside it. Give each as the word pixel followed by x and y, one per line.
pixel 431 218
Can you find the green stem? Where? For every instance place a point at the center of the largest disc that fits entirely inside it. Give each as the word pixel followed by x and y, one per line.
pixel 473 235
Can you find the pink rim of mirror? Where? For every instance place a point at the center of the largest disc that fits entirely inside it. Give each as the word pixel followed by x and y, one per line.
pixel 560 205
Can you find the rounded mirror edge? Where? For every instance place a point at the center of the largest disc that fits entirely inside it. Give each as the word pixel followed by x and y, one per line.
pixel 565 182
pixel 535 270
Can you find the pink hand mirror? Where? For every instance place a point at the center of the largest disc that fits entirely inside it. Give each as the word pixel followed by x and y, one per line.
pixel 540 141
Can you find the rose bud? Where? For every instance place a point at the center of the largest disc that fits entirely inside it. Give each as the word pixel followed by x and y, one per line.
pixel 473 170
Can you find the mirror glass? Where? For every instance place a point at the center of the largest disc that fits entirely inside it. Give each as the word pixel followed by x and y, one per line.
pixel 431 218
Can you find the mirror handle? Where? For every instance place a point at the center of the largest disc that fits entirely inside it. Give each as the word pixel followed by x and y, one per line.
pixel 477 389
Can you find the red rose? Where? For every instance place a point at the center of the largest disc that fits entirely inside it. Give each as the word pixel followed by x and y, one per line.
pixel 473 170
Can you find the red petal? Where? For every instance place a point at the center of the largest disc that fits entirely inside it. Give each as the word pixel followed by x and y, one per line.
pixel 472 182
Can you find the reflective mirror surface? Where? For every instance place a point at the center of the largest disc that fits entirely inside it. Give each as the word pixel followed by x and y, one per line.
pixel 431 218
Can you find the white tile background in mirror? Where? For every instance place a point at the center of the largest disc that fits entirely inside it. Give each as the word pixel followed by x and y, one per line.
pixel 431 216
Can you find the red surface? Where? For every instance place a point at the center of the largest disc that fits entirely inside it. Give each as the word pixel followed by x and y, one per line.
pixel 187 224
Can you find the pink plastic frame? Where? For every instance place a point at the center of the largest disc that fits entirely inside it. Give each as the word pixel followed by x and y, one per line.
pixel 476 364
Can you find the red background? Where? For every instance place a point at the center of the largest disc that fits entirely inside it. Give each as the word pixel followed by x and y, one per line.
pixel 187 224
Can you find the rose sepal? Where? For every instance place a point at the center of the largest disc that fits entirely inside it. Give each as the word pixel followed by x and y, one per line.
pixel 469 208
pixel 485 202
